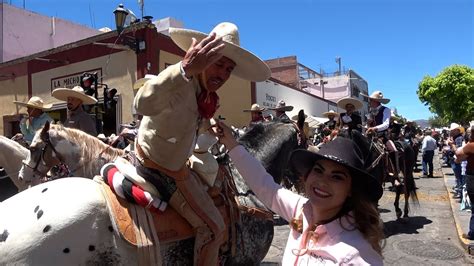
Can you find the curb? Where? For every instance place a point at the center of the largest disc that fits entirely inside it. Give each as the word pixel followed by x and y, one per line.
pixel 465 243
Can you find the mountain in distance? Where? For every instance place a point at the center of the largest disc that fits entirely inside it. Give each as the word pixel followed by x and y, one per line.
pixel 422 123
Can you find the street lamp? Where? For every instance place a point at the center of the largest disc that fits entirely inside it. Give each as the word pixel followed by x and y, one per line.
pixel 133 43
pixel 120 16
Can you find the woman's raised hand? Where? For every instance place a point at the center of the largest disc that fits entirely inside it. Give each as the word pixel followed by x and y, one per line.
pixel 224 133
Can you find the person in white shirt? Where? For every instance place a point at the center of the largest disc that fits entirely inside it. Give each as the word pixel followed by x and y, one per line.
pixel 427 148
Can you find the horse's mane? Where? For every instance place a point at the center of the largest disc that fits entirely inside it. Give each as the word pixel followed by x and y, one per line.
pixel 264 140
pixel 91 147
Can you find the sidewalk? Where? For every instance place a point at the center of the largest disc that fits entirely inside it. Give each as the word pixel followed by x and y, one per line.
pixel 461 218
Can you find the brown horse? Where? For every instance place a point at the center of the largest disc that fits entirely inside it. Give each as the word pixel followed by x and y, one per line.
pixel 376 162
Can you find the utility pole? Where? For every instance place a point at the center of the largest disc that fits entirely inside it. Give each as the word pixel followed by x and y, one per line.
pixel 142 5
pixel 338 61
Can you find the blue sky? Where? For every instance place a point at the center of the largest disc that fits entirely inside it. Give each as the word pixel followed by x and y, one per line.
pixel 392 44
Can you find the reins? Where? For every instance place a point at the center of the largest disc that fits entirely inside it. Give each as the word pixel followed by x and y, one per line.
pixel 60 159
pixel 377 160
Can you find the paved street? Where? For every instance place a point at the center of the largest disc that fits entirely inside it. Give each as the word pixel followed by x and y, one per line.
pixel 428 237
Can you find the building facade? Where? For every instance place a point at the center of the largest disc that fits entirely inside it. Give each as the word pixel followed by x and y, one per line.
pixel 330 87
pixel 24 32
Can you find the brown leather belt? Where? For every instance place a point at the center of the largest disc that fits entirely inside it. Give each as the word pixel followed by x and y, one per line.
pixel 145 161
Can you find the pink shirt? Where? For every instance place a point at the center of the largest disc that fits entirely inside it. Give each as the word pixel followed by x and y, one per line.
pixel 337 244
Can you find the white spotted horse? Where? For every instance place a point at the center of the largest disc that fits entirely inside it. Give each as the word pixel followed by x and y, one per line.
pixel 67 221
pixel 73 151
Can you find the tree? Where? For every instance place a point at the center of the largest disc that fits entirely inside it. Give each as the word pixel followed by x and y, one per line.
pixel 436 121
pixel 450 95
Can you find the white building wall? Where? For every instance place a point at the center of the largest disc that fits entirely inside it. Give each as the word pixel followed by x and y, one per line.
pixel 269 93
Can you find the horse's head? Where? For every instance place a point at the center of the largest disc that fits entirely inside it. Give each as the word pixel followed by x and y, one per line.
pixel 272 143
pixel 372 152
pixel 42 155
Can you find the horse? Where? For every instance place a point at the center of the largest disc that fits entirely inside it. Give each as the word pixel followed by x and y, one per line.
pixel 76 152
pixel 376 165
pixel 11 159
pixel 68 219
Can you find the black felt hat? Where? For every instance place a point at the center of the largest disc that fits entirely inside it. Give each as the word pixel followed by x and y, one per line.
pixel 342 151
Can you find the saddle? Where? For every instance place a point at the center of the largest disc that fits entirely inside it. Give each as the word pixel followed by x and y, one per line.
pixel 169 225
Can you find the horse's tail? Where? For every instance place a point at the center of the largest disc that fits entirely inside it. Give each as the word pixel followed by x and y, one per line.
pixel 410 160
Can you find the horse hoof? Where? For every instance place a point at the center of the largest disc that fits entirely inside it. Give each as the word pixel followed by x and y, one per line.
pixel 399 213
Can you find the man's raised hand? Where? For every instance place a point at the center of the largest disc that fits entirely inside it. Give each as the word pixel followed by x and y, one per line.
pixel 201 55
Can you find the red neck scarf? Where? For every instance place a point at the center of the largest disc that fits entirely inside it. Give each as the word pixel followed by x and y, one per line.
pixel 208 102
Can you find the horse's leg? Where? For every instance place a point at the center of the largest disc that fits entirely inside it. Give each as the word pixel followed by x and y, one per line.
pixel 398 211
pixel 406 209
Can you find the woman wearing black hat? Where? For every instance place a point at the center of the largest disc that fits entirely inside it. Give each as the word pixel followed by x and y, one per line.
pixel 336 222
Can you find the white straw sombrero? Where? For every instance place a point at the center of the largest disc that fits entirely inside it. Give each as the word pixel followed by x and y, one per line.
pixel 248 66
pixel 35 102
pixel 331 112
pixel 349 100
pixel 377 96
pixel 76 92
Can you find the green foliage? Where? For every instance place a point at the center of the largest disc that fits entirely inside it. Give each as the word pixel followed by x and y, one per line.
pixel 450 95
pixel 438 122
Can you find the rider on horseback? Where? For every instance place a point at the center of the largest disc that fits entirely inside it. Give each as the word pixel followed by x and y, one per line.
pixel 409 131
pixel 350 119
pixel 34 120
pixel 177 106
pixel 379 123
pixel 280 110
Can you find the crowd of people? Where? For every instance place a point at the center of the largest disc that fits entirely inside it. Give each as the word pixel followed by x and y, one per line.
pixel 336 220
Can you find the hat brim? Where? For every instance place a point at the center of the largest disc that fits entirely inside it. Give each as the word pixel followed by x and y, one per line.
pixel 139 83
pixel 326 114
pixel 248 66
pixel 381 100
pixel 63 93
pixel 249 110
pixel 283 109
pixel 345 101
pixel 44 107
pixel 303 160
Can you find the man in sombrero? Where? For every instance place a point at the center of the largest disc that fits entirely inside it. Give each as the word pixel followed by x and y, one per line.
pixel 350 119
pixel 77 117
pixel 35 119
pixel 332 122
pixel 256 114
pixel 177 106
pixel 280 112
pixel 379 123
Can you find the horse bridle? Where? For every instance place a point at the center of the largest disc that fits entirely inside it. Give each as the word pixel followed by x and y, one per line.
pixel 48 143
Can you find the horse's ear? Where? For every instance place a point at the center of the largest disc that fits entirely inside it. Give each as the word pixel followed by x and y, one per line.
pixel 301 119
pixel 45 131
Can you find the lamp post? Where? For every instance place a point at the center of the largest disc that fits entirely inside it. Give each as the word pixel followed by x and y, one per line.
pixel 132 42
pixel 120 15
